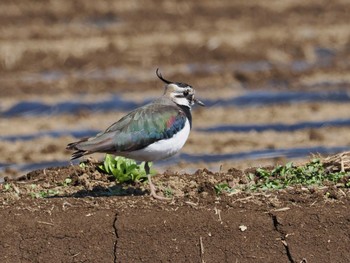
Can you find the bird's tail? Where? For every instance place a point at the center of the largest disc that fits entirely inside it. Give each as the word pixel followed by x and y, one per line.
pixel 78 152
pixel 103 143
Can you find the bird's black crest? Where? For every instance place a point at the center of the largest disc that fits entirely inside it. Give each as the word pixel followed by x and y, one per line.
pixel 159 75
pixel 180 84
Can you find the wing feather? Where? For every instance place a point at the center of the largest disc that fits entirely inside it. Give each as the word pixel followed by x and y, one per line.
pixel 136 130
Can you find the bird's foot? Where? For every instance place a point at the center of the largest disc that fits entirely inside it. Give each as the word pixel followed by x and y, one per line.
pixel 154 193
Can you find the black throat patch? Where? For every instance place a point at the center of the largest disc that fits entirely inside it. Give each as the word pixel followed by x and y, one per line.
pixel 187 111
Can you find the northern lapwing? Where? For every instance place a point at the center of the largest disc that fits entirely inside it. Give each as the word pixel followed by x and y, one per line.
pixel 152 132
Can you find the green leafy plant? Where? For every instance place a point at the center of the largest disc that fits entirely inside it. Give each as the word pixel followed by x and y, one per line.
pixel 44 193
pixel 67 181
pixel 168 192
pixel 223 188
pixel 7 187
pixel 282 176
pixel 124 169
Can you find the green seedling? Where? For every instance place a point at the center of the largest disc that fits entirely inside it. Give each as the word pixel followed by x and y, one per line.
pixel 67 181
pixel 44 194
pixel 7 187
pixel 168 192
pixel 223 188
pixel 282 176
pixel 124 169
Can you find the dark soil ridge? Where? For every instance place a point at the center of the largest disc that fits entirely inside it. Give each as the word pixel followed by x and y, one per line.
pixel 88 222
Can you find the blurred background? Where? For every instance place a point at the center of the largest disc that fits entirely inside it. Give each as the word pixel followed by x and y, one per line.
pixel 274 74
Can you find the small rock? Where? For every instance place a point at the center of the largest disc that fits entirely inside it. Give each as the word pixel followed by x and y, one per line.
pixel 243 228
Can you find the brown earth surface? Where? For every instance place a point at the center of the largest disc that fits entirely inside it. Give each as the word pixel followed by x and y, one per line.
pixel 95 220
pixel 91 50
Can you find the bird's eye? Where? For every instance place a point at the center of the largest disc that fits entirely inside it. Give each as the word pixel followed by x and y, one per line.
pixel 185 93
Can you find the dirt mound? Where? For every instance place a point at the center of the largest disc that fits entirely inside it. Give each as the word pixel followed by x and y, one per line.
pixel 75 214
pixel 56 53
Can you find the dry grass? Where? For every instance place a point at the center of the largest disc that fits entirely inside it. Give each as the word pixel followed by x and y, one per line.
pixel 338 163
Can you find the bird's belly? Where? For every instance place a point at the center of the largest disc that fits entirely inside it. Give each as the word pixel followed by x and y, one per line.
pixel 162 149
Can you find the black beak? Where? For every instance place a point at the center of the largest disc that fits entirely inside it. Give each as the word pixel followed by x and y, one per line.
pixel 199 102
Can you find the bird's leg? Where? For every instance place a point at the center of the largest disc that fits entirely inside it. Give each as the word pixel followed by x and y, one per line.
pixel 152 187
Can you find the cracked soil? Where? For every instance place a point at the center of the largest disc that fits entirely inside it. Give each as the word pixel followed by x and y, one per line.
pixel 63 51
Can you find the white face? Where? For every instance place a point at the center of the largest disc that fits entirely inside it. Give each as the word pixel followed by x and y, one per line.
pixel 181 95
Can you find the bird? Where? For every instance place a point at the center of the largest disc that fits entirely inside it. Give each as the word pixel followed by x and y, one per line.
pixel 155 131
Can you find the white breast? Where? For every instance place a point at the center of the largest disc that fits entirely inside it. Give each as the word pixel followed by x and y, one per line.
pixel 162 149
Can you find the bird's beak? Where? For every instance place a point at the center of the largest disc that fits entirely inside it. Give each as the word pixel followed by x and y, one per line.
pixel 198 102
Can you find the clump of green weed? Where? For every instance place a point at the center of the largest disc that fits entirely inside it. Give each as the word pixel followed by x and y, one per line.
pixel 7 187
pixel 282 176
pixel 314 173
pixel 168 192
pixel 223 188
pixel 42 193
pixel 124 169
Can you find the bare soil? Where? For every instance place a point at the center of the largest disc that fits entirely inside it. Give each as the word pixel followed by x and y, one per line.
pixel 93 219
pixel 88 51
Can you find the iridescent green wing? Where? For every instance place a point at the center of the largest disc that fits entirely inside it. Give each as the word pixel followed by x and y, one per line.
pixel 139 128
